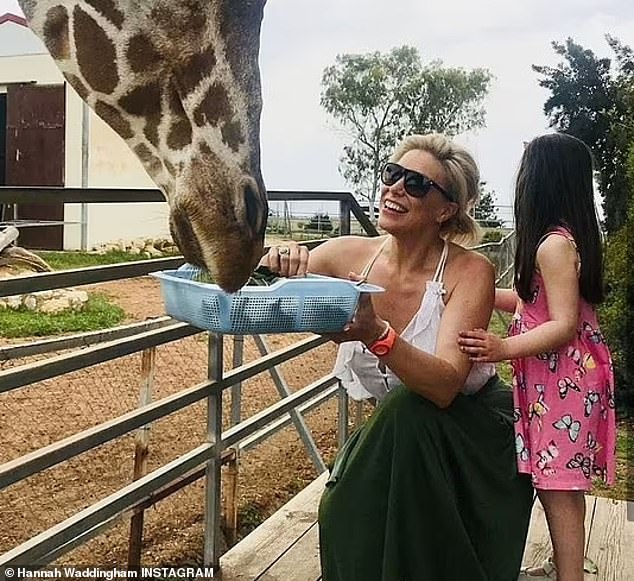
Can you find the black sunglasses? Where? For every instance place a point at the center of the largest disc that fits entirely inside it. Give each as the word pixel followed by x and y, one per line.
pixel 416 184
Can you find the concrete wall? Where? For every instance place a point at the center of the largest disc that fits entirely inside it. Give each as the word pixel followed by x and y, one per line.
pixel 23 59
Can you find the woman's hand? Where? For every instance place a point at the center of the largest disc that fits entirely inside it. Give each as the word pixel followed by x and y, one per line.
pixel 365 326
pixel 288 259
pixel 482 346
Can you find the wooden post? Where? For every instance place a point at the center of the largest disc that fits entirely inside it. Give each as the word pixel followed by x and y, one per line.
pixel 142 439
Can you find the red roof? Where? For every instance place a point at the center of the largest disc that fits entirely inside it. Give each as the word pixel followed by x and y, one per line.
pixel 8 17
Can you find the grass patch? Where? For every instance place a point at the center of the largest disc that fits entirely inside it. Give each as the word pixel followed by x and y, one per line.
pixel 97 313
pixel 66 260
pixel 499 325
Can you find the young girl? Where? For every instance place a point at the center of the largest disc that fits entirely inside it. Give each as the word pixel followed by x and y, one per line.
pixel 562 372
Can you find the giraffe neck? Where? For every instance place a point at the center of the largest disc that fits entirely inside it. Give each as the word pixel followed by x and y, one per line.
pixel 178 81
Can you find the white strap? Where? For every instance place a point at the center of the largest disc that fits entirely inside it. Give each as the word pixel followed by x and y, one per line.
pixel 440 269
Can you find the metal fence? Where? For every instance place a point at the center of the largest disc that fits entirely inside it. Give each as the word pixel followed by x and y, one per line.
pixel 32 367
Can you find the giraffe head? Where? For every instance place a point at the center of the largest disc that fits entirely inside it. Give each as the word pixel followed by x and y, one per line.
pixel 179 81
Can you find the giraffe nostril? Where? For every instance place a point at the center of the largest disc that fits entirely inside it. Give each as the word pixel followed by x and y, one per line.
pixel 255 211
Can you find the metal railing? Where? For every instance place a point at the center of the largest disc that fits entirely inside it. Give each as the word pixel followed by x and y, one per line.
pixel 205 460
pixel 91 349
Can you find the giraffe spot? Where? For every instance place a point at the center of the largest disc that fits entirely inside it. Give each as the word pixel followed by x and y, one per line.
pixel 96 54
pixel 113 118
pixel 109 10
pixel 174 101
pixel 214 106
pixel 142 101
pixel 170 167
pixel 232 134
pixel 77 84
pixel 56 36
pixel 194 70
pixel 151 129
pixel 142 54
pixel 150 161
pixel 180 134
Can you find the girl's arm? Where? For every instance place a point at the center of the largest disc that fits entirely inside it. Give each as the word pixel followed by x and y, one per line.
pixel 557 262
pixel 505 300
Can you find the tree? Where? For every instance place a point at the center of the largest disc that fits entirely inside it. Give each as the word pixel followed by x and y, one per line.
pixel 485 212
pixel 593 102
pixel 320 222
pixel 380 98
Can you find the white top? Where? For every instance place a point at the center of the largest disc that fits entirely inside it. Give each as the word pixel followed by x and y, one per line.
pixel 362 373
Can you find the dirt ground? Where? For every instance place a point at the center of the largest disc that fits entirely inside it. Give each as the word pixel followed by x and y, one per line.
pixel 51 410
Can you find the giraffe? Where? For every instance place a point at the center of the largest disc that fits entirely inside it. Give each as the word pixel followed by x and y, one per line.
pixel 179 81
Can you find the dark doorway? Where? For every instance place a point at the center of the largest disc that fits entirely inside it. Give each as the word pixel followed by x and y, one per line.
pixel 35 154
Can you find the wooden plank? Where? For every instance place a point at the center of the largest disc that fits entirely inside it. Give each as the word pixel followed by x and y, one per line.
pixel 265 545
pixel 538 545
pixel 611 541
pixel 300 562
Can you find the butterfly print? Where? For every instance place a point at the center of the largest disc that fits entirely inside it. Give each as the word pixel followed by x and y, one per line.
pixel 539 408
pixel 573 427
pixel 520 448
pixel 593 334
pixel 589 401
pixel 552 357
pixel 546 456
pixel 565 385
pixel 592 444
pixel 584 463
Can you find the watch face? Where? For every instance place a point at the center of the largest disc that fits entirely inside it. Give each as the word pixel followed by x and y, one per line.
pixel 381 349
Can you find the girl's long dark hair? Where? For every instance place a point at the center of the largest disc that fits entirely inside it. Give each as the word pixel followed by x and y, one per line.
pixel 554 188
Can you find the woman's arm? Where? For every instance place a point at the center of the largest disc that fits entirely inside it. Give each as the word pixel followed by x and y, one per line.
pixel 332 258
pixel 505 300
pixel 441 376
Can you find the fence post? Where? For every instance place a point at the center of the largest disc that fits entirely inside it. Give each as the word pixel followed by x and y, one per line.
pixel 230 484
pixel 344 217
pixel 211 552
pixel 142 439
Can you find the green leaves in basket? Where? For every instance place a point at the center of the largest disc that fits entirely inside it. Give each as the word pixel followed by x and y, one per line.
pixel 262 276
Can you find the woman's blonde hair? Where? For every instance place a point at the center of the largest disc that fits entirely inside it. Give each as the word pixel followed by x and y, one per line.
pixel 463 181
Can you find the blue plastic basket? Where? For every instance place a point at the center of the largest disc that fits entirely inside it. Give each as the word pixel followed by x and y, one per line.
pixel 313 303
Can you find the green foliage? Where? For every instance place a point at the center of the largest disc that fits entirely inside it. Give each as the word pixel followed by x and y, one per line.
pixel 65 260
pixel 485 212
pixel 616 313
pixel 595 103
pixel 492 236
pixel 379 98
pixel 320 222
pixel 96 314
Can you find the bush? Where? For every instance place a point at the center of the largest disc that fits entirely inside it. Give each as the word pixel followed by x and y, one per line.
pixel 320 222
pixel 616 313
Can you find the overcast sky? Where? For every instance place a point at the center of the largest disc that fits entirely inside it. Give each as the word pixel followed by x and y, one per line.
pixel 301 145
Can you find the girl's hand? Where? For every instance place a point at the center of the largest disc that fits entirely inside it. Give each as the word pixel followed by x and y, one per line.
pixel 482 346
pixel 288 259
pixel 365 326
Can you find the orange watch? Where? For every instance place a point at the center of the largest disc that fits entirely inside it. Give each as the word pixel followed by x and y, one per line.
pixel 383 345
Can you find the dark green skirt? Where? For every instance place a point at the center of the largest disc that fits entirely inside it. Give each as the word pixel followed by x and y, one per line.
pixel 425 494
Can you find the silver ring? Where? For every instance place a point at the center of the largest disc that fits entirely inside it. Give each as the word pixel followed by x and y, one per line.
pixel 283 250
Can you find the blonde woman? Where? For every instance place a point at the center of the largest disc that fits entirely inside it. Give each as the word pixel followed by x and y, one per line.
pixel 428 488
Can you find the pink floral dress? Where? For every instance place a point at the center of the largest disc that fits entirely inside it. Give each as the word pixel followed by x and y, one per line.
pixel 565 427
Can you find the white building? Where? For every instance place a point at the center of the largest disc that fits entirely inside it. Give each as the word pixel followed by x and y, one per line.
pixel 31 82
